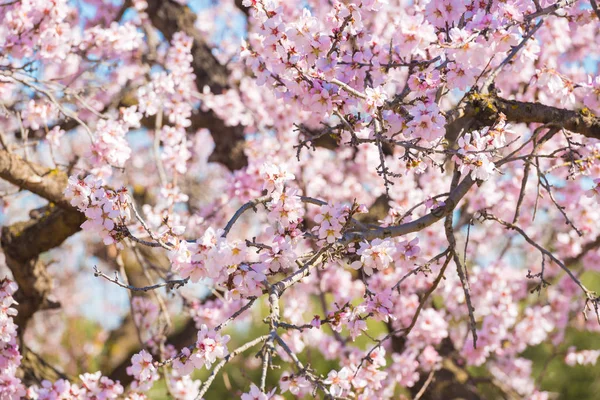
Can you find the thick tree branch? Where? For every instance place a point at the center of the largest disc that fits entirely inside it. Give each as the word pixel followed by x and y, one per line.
pixel 47 183
pixel 486 108
pixel 27 240
pixel 586 248
pixel 418 224
pixel 23 242
pixel 595 7
pixel 229 140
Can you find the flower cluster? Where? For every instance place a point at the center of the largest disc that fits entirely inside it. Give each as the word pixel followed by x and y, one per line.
pixel 105 209
pixel 110 146
pixel 296 385
pixel 10 359
pixel 210 346
pixel 285 207
pixel 145 314
pixel 331 220
pixel 327 105
pixel 39 113
pixel 93 386
pixel 143 370
pixel 171 91
pixel 595 191
pixel 184 387
pixel 364 382
pixel 52 34
pixel 557 86
pixel 374 256
pixel 427 122
pixel 256 394
pixel 112 41
pixel 582 357
pixel 472 156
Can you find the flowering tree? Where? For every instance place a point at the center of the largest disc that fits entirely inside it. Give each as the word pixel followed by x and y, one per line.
pixel 359 200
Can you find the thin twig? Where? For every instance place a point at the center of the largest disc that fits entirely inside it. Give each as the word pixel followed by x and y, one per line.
pixel 172 284
pixel 511 55
pixel 147 229
pixel 459 267
pixel 406 331
pixel 156 148
pixel 236 314
pixel 591 295
pixel 420 268
pixel 225 360
pixel 421 391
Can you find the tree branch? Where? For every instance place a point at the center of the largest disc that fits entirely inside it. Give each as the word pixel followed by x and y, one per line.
pixel 23 242
pixel 45 182
pixel 418 224
pixel 486 108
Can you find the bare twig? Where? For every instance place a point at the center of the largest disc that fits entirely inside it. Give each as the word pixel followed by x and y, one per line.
pixel 511 55
pixel 147 229
pixel 171 284
pixel 406 331
pixel 419 224
pixel 459 267
pixel 236 314
pixel 591 295
pixel 425 267
pixel 156 147
pixel 421 391
pixel 225 360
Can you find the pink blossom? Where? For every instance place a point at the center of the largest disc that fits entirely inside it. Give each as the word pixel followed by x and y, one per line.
pixel 143 370
pixel 184 387
pixel 96 385
pixel 295 384
pixel 210 347
pixel 274 176
pixel 430 359
pixel 375 98
pixel 131 117
pixel 339 381
pixel 582 357
pixel 184 365
pixel 595 191
pixel 472 156
pixel 404 368
pixel 54 136
pixel 376 255
pixel 324 105
pixel 256 394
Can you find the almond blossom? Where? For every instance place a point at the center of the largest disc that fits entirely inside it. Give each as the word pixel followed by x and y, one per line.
pixel 340 199
pixel 143 370
pixel 377 255
pixel 210 347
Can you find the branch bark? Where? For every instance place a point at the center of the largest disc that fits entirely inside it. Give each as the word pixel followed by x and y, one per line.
pixel 419 224
pixel 486 108
pixel 23 242
pixel 47 183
